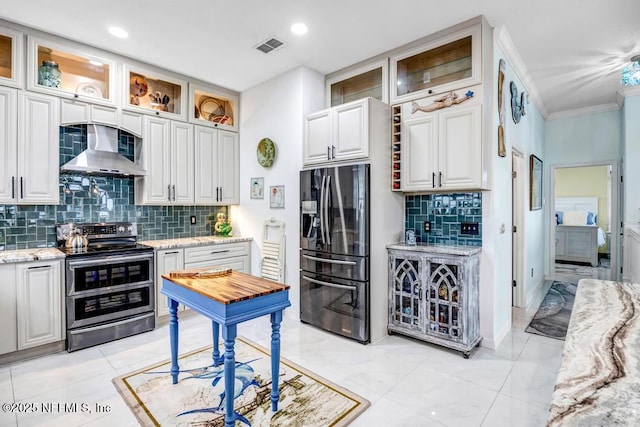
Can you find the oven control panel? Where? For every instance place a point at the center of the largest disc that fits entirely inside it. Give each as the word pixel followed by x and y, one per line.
pixel 98 230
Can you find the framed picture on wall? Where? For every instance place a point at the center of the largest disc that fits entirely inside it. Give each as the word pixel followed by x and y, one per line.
pixel 257 188
pixel 535 183
pixel 276 199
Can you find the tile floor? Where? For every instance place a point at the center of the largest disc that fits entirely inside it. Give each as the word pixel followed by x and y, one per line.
pixel 408 383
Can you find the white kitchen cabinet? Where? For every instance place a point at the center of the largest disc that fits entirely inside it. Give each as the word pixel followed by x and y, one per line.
pixel 70 70
pixel 217 167
pixel 73 112
pixel 148 91
pixel 39 303
pixel 441 150
pixel 8 312
pixel 341 133
pixel 631 254
pixel 167 155
pixel 167 260
pixel 29 141
pixel 446 61
pixel 11 57
pixel 236 255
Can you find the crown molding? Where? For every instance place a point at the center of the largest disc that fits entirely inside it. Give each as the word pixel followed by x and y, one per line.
pixel 626 91
pixel 503 40
pixel 594 109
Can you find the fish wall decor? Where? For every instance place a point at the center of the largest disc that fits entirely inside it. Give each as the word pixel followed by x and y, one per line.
pixel 517 107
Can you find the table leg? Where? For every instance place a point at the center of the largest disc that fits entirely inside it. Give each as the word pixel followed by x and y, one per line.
pixel 229 333
pixel 173 336
pixel 215 330
pixel 276 319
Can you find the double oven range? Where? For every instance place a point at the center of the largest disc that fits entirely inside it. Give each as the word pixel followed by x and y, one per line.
pixel 109 284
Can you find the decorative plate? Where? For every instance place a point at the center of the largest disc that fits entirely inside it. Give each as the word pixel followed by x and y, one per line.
pixel 89 90
pixel 210 108
pixel 266 152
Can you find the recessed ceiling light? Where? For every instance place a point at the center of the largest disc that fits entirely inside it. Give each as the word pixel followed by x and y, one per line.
pixel 299 29
pixel 118 32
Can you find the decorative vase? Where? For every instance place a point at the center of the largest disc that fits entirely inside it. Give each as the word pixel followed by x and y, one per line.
pixel 49 74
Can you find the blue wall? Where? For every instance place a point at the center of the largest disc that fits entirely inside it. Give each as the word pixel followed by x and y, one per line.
pixel 87 198
pixel 445 212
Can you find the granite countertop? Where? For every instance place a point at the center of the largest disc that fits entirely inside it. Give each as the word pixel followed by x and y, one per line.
pixel 26 255
pixel 599 378
pixel 437 248
pixel 193 241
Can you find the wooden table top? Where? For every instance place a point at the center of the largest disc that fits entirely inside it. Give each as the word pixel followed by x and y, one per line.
pixel 230 288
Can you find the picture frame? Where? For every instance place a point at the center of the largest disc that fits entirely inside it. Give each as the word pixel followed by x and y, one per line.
pixel 256 188
pixel 535 183
pixel 276 197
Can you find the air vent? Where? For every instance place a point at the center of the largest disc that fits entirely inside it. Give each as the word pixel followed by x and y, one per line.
pixel 269 45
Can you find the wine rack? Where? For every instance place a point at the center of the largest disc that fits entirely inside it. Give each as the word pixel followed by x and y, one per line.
pixel 396 152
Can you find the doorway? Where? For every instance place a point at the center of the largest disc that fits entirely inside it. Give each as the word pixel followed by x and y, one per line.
pixel 584 224
pixel 517 229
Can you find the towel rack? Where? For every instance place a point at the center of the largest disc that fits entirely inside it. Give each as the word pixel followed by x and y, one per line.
pixel 273 250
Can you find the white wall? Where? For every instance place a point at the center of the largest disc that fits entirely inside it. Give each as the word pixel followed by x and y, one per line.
pixel 631 138
pixel 275 109
pixel 528 137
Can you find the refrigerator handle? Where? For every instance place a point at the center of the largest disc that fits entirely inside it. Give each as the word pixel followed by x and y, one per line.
pixel 330 261
pixel 326 209
pixel 324 177
pixel 333 285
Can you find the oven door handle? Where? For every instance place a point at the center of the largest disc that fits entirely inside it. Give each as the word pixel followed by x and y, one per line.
pixel 329 261
pixel 333 285
pixel 114 258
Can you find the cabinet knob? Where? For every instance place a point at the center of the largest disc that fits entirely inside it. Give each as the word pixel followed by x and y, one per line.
pixel 75 95
pixel 157 113
pixel 430 91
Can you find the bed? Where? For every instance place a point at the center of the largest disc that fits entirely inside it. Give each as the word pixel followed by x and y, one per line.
pixel 578 234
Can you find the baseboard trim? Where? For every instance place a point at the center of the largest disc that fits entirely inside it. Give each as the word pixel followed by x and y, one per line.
pixel 495 343
pixel 535 297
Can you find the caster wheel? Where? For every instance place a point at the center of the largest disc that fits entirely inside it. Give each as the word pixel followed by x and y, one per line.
pixel 466 354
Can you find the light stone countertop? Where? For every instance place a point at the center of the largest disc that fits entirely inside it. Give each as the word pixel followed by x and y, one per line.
pixel 437 248
pixel 193 241
pixel 599 378
pixel 26 255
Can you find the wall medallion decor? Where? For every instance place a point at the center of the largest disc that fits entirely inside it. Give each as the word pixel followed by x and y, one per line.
pixel 266 152
pixel 443 102
pixel 517 107
pixel 535 183
pixel 501 148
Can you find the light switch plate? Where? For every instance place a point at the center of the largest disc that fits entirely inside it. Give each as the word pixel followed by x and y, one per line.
pixel 469 228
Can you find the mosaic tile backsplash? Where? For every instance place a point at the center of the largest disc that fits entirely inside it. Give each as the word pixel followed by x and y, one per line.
pixel 445 212
pixel 88 198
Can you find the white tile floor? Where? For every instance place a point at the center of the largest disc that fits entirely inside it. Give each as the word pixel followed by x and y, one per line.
pixel 408 383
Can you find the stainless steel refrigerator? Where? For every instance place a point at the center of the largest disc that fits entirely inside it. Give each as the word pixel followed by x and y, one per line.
pixel 334 250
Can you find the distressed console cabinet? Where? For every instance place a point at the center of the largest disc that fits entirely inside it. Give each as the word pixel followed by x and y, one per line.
pixel 434 294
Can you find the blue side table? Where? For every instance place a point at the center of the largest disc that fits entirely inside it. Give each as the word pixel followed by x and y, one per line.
pixel 228 300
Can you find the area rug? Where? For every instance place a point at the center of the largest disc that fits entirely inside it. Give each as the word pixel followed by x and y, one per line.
pixel 306 399
pixel 552 318
pixel 582 271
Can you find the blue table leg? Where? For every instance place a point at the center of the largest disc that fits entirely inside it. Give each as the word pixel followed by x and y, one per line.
pixel 276 319
pixel 229 333
pixel 215 330
pixel 173 336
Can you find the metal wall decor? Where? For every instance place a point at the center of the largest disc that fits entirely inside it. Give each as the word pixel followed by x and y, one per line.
pixel 502 152
pixel 517 107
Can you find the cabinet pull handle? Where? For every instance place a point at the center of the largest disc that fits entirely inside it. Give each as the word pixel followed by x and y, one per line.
pixel 169 192
pixel 333 151
pixel 440 180
pixel 13 187
pixel 219 252
pixel 328 153
pixel 433 180
pixel 220 193
pixel 174 193
pixel 172 252
pixel 21 188
pixel 39 266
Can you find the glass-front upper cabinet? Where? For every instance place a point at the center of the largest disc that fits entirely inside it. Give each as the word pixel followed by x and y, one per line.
pixel 439 66
pixel 10 57
pixel 68 71
pixel 213 107
pixel 370 80
pixel 152 92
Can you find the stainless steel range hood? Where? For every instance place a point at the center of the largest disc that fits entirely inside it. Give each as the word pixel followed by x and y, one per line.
pixel 101 155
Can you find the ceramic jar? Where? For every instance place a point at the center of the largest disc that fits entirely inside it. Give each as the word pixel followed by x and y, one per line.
pixel 49 74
